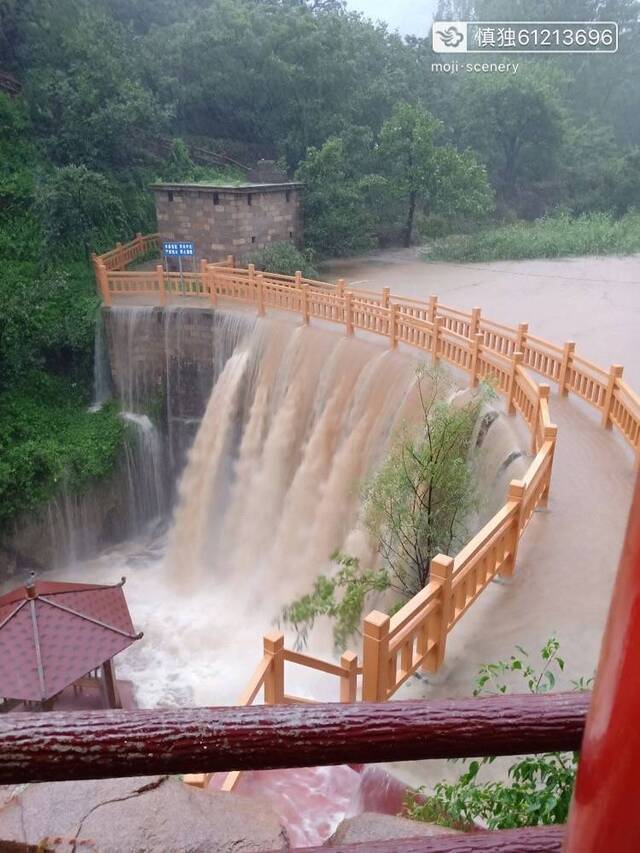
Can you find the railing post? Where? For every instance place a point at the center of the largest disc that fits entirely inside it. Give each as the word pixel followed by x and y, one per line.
pixel 260 293
pixel 433 308
pixel 103 281
pixel 203 274
pixel 515 494
pixel 340 285
pixel 615 373
pixel 476 348
pixel 567 361
pixel 394 311
pixel 349 682
pixel 474 326
pixel 521 337
pixel 386 294
pixel 544 392
pixel 213 285
pixel 161 284
pixel 441 573
pixel 303 291
pixel 253 284
pixel 231 261
pixel 273 646
pixel 435 338
pixel 375 657
pixel 550 434
pixel 348 312
pixel 516 361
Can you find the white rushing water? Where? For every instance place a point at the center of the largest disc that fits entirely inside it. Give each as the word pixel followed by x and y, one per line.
pixel 296 418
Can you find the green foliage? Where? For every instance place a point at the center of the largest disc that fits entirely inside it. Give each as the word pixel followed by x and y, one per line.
pixel 17 158
pixel 426 174
pixel 284 258
pixel 418 501
pixel 550 237
pixel 88 100
pixel 415 507
pixel 341 597
pixel 48 438
pixel 515 122
pixel 46 321
pixel 179 167
pixel 337 222
pixel 78 207
pixel 539 787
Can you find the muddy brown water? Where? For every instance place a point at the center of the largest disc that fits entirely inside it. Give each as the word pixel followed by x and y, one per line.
pixel 568 558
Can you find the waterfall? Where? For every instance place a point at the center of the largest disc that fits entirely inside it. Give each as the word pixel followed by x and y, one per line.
pixel 271 488
pixel 101 372
pixel 282 423
pixel 146 472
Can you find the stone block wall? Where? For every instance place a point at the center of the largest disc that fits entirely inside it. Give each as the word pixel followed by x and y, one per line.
pixel 229 220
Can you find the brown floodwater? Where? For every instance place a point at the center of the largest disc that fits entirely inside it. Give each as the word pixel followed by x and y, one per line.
pixel 568 558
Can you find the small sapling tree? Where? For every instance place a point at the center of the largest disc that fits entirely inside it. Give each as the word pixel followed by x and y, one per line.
pixel 416 505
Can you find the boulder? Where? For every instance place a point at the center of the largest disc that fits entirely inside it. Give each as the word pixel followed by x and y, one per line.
pixel 382 827
pixel 147 815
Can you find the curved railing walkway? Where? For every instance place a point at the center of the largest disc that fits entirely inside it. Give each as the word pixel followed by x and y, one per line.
pixel 416 636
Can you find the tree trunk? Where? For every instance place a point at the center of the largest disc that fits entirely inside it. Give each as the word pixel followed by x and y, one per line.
pixel 410 216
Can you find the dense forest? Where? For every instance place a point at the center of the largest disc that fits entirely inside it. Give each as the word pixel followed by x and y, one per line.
pixel 390 151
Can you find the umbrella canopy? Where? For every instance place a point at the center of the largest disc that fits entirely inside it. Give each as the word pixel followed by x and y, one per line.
pixel 51 634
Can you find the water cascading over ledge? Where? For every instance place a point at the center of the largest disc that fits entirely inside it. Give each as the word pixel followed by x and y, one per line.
pixel 282 423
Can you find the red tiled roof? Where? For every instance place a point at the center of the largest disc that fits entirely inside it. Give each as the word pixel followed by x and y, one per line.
pixel 51 634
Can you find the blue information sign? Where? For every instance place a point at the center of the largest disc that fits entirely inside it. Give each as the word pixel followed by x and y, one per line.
pixel 174 249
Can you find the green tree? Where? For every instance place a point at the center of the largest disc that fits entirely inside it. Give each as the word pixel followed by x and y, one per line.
pixel 337 221
pixel 78 207
pixel 516 124
pixel 416 506
pixel 88 101
pixel 424 174
pixel 418 502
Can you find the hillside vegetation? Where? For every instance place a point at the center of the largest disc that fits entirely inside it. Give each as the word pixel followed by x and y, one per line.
pixel 389 151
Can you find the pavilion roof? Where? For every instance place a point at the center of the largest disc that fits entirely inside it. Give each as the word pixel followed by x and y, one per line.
pixel 52 634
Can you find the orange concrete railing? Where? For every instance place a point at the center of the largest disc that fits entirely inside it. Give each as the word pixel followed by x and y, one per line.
pixel 269 678
pixel 414 637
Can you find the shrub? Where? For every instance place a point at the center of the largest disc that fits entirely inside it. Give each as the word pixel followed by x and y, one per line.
pixel 47 438
pixel 550 237
pixel 78 208
pixel 539 787
pixel 285 259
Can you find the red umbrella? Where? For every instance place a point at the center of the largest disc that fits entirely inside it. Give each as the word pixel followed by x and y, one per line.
pixel 52 634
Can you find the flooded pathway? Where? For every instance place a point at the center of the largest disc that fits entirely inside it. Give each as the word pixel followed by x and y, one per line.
pixel 569 555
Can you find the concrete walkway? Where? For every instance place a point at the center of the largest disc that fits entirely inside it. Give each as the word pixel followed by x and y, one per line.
pixel 568 558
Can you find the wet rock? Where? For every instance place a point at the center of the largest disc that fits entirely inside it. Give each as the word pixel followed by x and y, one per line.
pixel 382 827
pixel 146 815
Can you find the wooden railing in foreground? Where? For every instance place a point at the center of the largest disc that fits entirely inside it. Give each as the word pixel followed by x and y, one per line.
pixel 53 747
pixel 415 637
